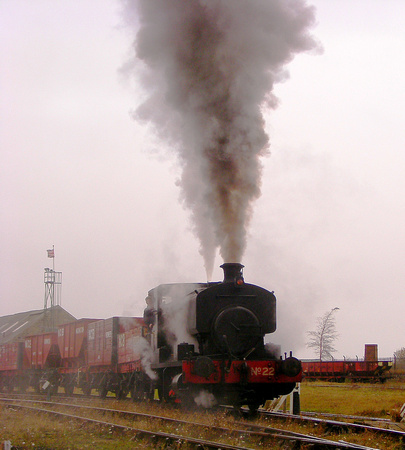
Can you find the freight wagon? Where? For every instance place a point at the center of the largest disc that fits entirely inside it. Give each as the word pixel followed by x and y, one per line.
pixel 347 370
pixel 72 342
pixel 113 354
pixel 11 365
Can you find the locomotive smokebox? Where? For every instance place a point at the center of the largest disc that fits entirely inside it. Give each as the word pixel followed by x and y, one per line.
pixel 232 272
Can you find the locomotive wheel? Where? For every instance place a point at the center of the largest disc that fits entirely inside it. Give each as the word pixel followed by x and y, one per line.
pixel 186 397
pixel 253 407
pixel 254 403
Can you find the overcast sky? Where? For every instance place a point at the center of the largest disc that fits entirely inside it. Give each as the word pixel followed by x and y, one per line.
pixel 77 172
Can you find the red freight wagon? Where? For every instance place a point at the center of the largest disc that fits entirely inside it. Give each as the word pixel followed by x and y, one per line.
pixel 11 356
pixel 321 369
pixel 72 340
pixel 102 337
pixel 41 351
pixel 11 365
pixel 95 343
pixel 369 369
pixel 130 345
pixel 341 370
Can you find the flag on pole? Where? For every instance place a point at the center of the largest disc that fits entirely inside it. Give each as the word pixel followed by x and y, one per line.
pixel 51 253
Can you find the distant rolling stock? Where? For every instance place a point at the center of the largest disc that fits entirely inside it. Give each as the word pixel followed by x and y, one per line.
pixel 347 370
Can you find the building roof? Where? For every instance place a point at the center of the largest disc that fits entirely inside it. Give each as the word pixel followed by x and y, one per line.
pixel 17 326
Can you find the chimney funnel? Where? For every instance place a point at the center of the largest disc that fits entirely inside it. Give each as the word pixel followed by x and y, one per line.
pixel 232 271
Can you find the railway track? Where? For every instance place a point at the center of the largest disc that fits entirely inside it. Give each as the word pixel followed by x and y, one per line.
pixel 240 435
pixel 135 431
pixel 330 424
pixel 351 386
pixel 345 417
pixel 383 423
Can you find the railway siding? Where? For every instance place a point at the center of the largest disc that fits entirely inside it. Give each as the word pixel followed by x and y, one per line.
pixel 161 428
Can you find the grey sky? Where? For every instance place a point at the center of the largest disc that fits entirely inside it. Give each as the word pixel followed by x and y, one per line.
pixel 78 173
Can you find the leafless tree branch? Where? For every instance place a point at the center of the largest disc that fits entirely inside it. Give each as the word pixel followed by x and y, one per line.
pixel 324 336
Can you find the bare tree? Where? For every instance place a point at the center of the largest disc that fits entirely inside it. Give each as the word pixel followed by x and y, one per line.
pixel 399 359
pixel 324 336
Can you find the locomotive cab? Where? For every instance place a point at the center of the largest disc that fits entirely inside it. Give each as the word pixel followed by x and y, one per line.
pixel 167 315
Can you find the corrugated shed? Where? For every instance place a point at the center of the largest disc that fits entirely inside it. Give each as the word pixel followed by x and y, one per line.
pixel 16 327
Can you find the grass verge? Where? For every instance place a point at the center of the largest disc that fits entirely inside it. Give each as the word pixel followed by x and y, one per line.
pixel 372 400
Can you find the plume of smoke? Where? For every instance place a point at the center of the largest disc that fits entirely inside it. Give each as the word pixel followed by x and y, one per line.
pixel 272 350
pixel 209 69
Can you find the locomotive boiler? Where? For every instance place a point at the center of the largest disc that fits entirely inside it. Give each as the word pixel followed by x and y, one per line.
pixel 208 347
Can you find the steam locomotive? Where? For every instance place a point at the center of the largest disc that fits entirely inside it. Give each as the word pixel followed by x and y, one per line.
pixel 197 343
pixel 220 355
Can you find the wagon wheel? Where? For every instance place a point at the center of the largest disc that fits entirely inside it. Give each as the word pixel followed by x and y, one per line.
pixel 22 387
pixel 138 391
pixel 118 393
pixel 121 393
pixel 103 392
pixel 68 388
pixel 86 389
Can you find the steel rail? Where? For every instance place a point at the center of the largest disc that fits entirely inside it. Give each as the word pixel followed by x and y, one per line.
pixel 262 431
pixel 335 424
pixel 357 385
pixel 137 431
pixel 313 439
pixel 346 416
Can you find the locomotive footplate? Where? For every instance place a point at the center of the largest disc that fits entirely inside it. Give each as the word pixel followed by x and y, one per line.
pixel 235 372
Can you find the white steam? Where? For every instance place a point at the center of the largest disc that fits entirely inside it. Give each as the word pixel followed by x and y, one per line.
pixel 209 69
pixel 205 399
pixel 142 346
pixel 175 310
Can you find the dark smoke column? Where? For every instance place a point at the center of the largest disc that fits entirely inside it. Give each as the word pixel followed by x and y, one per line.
pixel 209 69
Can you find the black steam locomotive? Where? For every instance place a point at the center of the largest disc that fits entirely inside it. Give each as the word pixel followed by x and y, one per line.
pixel 208 347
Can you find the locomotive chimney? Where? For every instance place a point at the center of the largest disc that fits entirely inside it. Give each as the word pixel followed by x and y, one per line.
pixel 232 272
